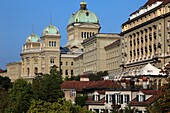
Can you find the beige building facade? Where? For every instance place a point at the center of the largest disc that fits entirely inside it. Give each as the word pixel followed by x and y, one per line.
pixel 94 56
pixel 146 36
pixel 113 58
pixel 40 53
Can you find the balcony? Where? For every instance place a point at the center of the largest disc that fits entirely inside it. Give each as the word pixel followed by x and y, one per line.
pixel 32 50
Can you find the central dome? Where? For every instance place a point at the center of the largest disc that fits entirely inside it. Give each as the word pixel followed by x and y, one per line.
pixel 83 16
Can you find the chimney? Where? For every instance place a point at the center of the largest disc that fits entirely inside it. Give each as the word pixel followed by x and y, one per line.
pixel 84 77
pixel 145 82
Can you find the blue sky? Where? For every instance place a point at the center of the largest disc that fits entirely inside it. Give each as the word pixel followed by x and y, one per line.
pixel 18 16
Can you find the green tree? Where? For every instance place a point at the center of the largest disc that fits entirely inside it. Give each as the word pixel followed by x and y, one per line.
pixel 4 99
pixel 47 87
pixel 76 78
pixel 62 106
pixel 80 100
pixel 20 96
pixel 98 75
pixel 162 105
pixel 5 82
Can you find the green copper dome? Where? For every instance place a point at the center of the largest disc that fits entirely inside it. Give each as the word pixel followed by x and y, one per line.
pixel 83 15
pixel 51 30
pixel 33 38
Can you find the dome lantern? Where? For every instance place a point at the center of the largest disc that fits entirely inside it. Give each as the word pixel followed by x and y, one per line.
pixel 83 16
pixel 83 5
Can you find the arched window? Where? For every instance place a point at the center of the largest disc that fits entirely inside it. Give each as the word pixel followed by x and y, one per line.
pixel 155 84
pixel 150 84
pixel 159 82
pixel 87 34
pixel 84 34
pixel 35 70
pixel 28 71
pixel 72 72
pixel 66 72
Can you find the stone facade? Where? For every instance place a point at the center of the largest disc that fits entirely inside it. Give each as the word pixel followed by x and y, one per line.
pixel 94 56
pixel 113 58
pixel 146 36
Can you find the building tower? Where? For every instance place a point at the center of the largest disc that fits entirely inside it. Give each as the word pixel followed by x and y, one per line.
pixel 81 25
pixel 50 48
pixel 31 60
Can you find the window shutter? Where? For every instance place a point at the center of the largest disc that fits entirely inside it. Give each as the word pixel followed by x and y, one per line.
pixel 106 98
pixel 113 99
pixel 93 98
pixel 127 98
pixel 121 97
pixel 98 97
pixel 137 98
pixel 144 97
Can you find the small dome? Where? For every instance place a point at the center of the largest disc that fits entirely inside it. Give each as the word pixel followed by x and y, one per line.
pixel 51 30
pixel 33 38
pixel 83 15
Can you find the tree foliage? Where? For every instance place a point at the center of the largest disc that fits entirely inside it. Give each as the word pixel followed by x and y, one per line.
pixel 80 100
pixel 20 97
pixel 98 75
pixel 47 87
pixel 162 105
pixel 76 78
pixel 61 106
pixel 3 100
pixel 5 82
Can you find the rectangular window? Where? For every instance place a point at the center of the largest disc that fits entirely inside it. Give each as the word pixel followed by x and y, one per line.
pixel 126 99
pixel 118 99
pixel 52 60
pixel 110 98
pixel 52 43
pixel 73 93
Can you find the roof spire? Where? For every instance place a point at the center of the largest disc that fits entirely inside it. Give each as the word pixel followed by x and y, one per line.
pixel 32 28
pixel 50 19
pixel 83 5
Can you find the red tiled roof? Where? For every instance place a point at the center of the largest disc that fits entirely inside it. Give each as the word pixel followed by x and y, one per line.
pixel 1 71
pixel 103 84
pixel 166 1
pixel 150 2
pixel 146 102
pixel 80 85
pixel 156 94
pixel 92 102
pixel 151 92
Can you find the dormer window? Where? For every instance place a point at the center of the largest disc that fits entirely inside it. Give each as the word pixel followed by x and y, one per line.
pixel 96 97
pixel 140 98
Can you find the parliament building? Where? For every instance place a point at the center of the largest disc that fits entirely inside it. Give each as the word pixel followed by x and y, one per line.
pixel 145 38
